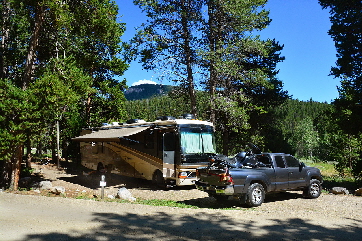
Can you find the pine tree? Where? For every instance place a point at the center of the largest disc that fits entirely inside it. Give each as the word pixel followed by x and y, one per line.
pixel 54 57
pixel 241 65
pixel 168 41
pixel 346 19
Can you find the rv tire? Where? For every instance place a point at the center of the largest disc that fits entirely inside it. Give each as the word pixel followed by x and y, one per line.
pixel 100 167
pixel 158 179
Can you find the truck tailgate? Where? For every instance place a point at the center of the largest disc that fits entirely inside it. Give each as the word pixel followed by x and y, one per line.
pixel 214 177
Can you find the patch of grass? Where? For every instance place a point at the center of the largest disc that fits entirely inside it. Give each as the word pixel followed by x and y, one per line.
pixel 162 202
pixel 85 196
pixel 191 204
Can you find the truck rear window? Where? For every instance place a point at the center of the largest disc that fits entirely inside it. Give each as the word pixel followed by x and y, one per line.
pixel 279 161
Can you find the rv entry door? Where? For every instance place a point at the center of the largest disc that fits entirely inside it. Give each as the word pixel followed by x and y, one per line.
pixel 169 140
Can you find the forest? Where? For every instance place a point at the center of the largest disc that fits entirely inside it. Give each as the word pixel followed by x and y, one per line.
pixel 62 61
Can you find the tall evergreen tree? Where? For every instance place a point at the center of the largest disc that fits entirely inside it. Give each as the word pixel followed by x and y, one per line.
pixel 168 41
pixel 346 19
pixel 95 44
pixel 54 57
pixel 241 65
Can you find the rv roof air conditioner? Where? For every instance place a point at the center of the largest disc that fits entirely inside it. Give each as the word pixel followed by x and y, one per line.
pixel 188 116
pixel 133 121
pixel 163 118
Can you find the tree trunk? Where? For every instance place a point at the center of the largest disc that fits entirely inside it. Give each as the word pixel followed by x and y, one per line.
pixel 53 146
pixel 225 142
pixel 34 43
pixel 15 168
pixel 4 38
pixel 6 174
pixel 213 75
pixel 28 149
pixel 88 110
pixel 188 58
pixel 39 149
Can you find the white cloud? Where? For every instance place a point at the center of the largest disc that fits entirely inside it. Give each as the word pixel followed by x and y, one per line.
pixel 145 81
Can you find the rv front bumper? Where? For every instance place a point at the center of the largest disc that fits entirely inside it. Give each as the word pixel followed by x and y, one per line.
pixel 185 181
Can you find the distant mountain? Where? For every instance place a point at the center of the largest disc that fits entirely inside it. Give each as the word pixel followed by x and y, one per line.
pixel 145 91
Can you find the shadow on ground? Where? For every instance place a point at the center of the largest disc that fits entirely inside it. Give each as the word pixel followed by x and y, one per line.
pixel 93 180
pixel 117 181
pixel 211 203
pixel 203 226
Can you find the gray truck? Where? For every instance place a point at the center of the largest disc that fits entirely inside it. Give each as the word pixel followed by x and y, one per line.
pixel 249 176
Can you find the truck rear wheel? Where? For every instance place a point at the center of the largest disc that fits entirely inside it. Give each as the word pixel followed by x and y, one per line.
pixel 313 190
pixel 255 195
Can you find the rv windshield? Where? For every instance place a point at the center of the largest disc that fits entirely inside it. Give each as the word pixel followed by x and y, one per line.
pixel 197 139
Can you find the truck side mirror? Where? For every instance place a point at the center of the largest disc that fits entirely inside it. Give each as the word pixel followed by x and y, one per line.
pixel 301 166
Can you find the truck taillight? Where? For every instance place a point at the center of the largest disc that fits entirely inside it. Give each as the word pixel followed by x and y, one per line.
pixel 226 177
pixel 197 173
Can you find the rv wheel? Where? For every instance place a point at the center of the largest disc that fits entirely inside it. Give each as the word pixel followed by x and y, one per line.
pixel 100 167
pixel 158 179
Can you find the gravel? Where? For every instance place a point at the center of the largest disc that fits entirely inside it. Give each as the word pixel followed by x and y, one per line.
pixel 285 216
pixel 327 205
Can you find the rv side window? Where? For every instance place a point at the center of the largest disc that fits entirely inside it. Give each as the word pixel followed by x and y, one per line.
pixel 131 142
pixel 169 142
pixel 149 143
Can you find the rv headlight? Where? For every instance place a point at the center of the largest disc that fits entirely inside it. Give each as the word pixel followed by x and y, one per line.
pixel 183 174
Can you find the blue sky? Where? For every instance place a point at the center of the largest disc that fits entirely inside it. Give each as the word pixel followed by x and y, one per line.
pixel 300 25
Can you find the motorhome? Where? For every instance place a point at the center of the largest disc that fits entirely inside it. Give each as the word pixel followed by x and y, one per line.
pixel 166 151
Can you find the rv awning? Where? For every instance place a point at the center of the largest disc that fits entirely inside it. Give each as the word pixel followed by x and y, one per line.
pixel 109 134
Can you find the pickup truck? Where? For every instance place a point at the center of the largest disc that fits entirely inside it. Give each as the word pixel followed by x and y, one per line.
pixel 248 177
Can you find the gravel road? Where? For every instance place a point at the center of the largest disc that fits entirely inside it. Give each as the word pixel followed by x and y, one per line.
pixel 281 217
